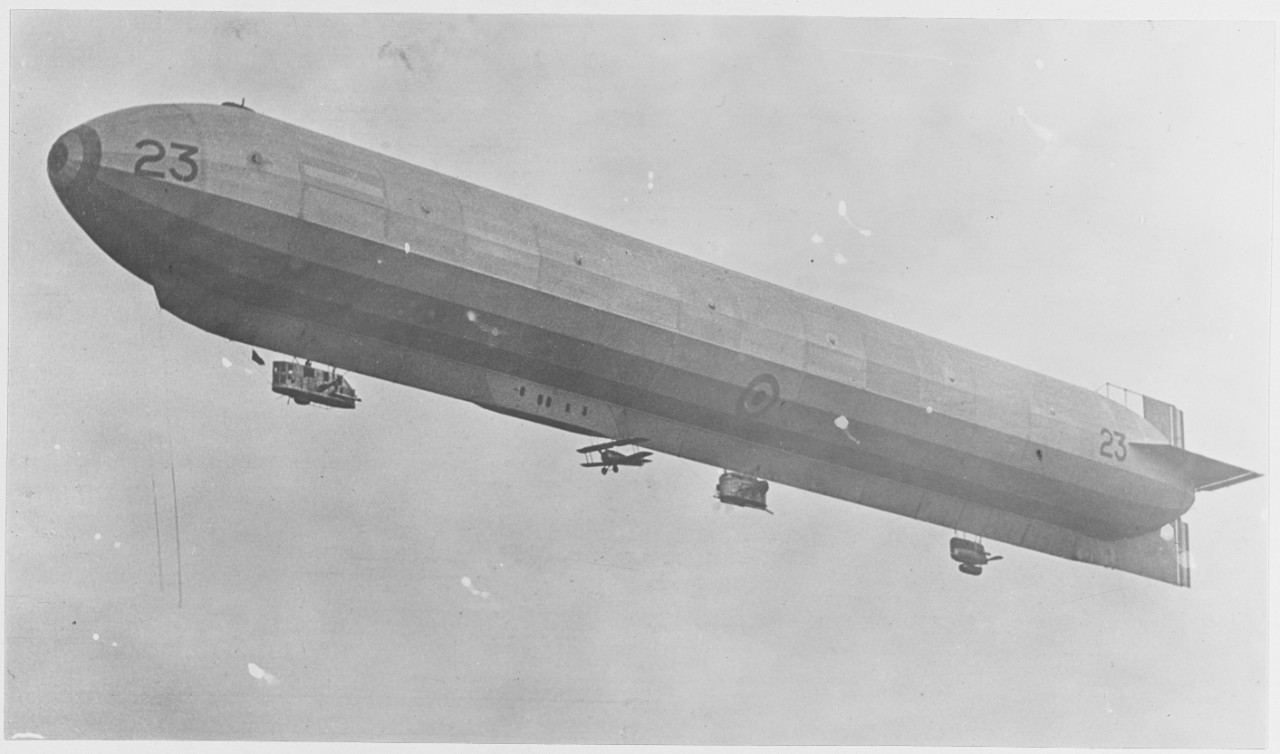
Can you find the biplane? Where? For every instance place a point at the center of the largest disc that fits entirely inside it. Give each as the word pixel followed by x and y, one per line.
pixel 612 459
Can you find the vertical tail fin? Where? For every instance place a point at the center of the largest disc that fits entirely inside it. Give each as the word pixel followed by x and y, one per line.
pixel 1182 541
pixel 1166 417
pixel 1163 555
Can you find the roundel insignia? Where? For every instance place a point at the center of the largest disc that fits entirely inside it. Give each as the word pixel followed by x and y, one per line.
pixel 760 395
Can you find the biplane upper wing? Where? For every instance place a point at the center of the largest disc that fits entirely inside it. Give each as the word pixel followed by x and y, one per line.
pixel 612 444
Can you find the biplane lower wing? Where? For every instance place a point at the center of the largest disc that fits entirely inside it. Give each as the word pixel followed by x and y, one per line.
pixel 635 459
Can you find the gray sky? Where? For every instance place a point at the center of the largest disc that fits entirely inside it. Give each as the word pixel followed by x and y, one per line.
pixel 1087 199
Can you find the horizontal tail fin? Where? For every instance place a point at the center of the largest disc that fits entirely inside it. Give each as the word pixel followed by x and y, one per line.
pixel 1201 473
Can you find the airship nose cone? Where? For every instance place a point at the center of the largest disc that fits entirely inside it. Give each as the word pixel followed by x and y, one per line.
pixel 73 160
pixel 58 156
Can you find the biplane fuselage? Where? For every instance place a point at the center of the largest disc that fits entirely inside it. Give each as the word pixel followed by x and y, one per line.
pixel 269 234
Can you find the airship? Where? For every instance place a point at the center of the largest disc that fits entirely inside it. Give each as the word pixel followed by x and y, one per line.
pixel 281 238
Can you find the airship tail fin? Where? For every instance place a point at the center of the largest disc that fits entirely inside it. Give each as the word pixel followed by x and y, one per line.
pixel 1200 473
pixel 1166 417
pixel 1163 555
